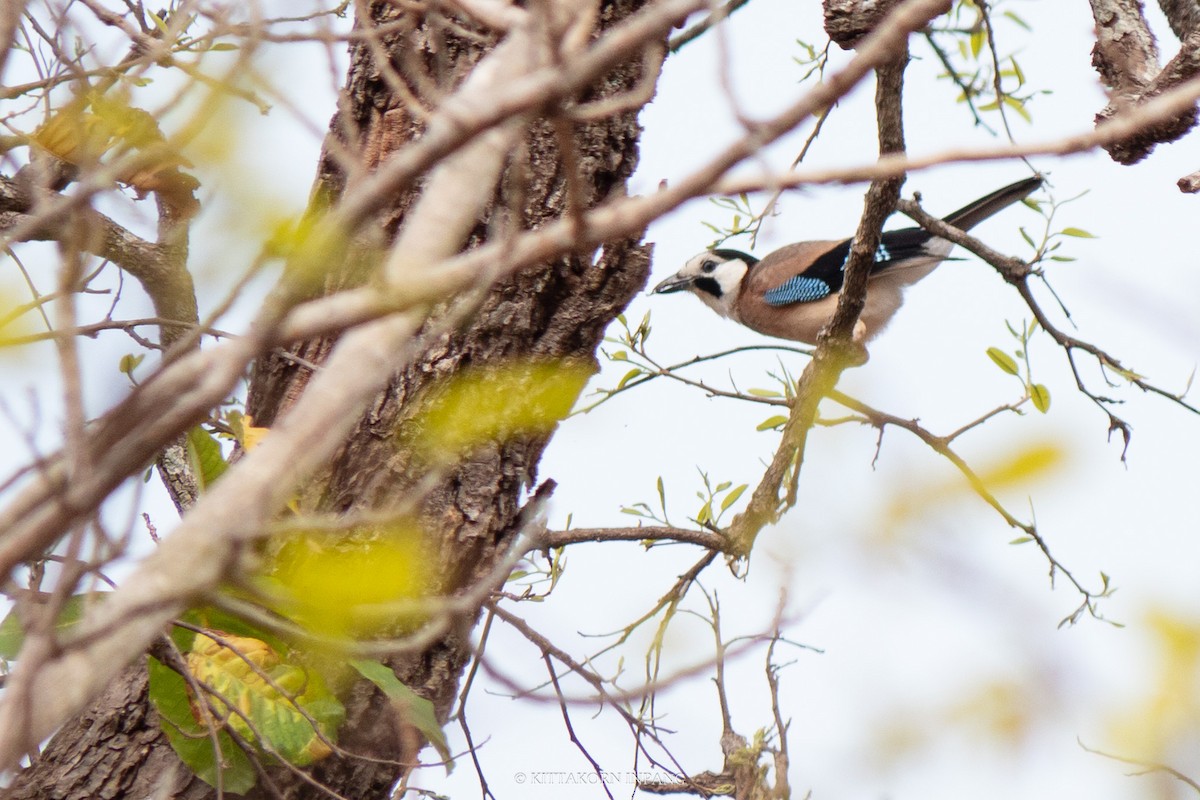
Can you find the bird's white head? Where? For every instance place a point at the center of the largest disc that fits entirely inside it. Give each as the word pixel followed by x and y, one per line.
pixel 715 276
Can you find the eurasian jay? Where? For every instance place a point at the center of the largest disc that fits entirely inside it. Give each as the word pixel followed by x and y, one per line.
pixel 792 292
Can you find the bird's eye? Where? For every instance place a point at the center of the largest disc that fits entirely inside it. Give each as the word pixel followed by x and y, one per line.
pixel 708 266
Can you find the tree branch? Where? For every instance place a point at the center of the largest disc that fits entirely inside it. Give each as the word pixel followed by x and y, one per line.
pixel 1126 57
pixel 836 350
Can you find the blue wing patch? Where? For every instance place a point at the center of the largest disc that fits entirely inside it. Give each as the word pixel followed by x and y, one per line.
pixel 882 253
pixel 800 289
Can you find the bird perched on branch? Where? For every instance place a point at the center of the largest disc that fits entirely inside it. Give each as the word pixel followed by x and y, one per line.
pixel 792 292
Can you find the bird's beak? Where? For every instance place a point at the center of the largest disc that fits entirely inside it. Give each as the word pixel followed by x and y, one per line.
pixel 675 283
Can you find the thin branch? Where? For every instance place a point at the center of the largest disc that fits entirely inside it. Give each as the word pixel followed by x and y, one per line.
pixel 678 41
pixel 562 704
pixel 706 539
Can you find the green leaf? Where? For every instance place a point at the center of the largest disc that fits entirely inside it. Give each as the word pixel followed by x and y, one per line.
pixel 620 355
pixel 1017 71
pixel 1021 540
pixel 129 362
pixel 12 633
pixel 1003 360
pixel 662 495
pixel 285 709
pixel 1078 233
pixel 732 497
pixel 633 373
pixel 763 393
pixel 771 422
pixel 976 42
pixel 1018 106
pixel 205 453
pixel 722 486
pixel 1040 396
pixel 222 47
pixel 217 619
pixel 418 711
pixel 159 23
pixel 221 764
pixel 705 514
pixel 1011 15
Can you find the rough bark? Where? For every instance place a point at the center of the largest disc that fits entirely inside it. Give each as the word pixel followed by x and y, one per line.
pixel 557 312
pixel 1183 16
pixel 1126 57
pixel 848 21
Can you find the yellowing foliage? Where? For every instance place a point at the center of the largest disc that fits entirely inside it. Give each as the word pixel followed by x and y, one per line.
pixel 1170 712
pixel 356 588
pixel 496 403
pixel 1015 471
pixel 281 706
pixel 1037 461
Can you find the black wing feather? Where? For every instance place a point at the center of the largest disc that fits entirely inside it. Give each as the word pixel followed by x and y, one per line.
pixel 894 247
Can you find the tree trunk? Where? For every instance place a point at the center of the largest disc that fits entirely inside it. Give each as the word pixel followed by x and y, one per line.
pixel 558 311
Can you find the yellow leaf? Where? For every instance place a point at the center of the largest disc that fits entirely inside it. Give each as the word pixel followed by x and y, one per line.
pixel 357 587
pixel 498 403
pixel 251 435
pixel 1032 463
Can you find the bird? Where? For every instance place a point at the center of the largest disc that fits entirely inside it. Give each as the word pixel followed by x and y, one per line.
pixel 791 293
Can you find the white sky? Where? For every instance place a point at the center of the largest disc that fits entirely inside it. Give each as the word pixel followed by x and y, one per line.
pixel 919 613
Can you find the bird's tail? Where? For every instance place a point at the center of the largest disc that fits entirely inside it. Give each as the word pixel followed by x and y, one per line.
pixel 970 216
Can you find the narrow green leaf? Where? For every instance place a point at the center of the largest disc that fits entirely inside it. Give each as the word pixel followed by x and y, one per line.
pixel 771 422
pixel 976 43
pixel 416 709
pixel 1011 15
pixel 159 23
pixel 1017 70
pixel 1021 540
pixel 633 373
pixel 223 47
pixel 1040 396
pixel 1078 233
pixel 1003 360
pixel 722 486
pixel 1018 106
pixel 620 355
pixel 662 494
pixel 732 497
pixel 705 513
pixel 763 393
pixel 1028 239
pixel 633 512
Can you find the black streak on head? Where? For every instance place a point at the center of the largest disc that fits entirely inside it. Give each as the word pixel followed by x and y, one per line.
pixel 709 285
pixel 736 255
